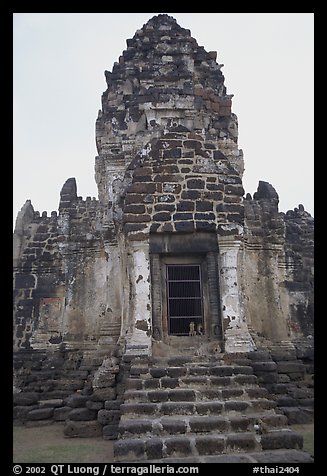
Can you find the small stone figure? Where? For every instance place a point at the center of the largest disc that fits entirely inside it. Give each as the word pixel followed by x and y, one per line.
pixel 260 427
pixel 192 331
pixel 199 329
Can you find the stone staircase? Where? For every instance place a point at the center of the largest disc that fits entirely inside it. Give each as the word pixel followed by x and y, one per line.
pixel 193 409
pixel 287 372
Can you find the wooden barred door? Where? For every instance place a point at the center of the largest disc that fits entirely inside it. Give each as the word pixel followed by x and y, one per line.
pixel 184 299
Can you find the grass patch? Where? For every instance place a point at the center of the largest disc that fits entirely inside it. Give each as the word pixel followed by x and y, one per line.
pixel 48 445
pixel 307 431
pixel 57 453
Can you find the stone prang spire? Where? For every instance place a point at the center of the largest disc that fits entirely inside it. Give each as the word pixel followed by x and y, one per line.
pixel 163 79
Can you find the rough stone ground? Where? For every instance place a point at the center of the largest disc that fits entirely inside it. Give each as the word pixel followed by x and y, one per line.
pixel 47 444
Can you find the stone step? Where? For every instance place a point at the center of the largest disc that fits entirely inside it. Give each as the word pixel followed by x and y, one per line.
pixel 190 370
pixel 163 395
pixel 166 425
pixel 187 394
pixel 272 457
pixel 283 344
pixel 189 407
pixel 182 360
pixel 136 383
pixel 180 446
pixel 298 415
pixel 108 329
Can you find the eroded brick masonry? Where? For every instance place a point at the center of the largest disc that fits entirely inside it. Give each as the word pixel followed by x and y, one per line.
pixel 91 289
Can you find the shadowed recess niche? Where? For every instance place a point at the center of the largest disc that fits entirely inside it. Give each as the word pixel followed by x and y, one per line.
pixel 185 286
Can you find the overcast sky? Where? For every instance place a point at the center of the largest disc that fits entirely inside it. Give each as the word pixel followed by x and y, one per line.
pixel 58 71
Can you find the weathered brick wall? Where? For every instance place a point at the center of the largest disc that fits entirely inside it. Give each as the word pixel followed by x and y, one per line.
pixel 60 275
pixel 65 315
pixel 67 386
pixel 38 274
pixel 85 263
pixel 184 183
pixel 299 257
pixel 277 267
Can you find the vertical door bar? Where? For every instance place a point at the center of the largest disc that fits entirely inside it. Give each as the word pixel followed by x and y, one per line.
pixel 184 298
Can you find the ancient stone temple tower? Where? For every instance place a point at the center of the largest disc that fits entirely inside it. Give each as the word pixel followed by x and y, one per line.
pixel 170 172
pixel 172 257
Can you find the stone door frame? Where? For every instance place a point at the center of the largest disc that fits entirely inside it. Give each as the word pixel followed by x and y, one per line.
pixel 183 260
pixel 200 248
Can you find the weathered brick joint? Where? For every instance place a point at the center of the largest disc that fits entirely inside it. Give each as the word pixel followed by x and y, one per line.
pixel 173 314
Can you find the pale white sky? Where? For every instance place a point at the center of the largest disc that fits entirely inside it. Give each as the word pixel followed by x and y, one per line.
pixel 58 71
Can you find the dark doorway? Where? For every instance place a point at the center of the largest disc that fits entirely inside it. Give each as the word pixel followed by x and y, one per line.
pixel 184 299
pixel 184 286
